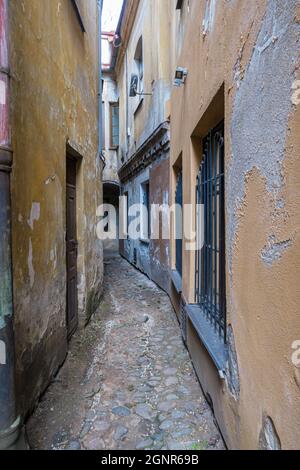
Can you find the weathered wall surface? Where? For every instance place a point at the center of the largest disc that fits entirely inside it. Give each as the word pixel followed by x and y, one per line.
pixel 136 251
pixel 111 183
pixel 54 101
pixel 110 95
pixel 150 256
pixel 141 116
pixel 252 48
pixel 144 142
pixel 160 248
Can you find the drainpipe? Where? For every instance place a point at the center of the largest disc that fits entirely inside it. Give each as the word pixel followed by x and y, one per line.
pixel 100 143
pixel 9 422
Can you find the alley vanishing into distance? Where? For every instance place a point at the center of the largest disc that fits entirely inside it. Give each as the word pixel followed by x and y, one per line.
pixel 150 225
pixel 128 382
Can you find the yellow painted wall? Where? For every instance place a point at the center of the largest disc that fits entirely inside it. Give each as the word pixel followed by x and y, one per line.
pixel 252 49
pixel 141 116
pixel 54 101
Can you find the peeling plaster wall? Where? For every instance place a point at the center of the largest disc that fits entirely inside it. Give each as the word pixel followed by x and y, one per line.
pixel 252 48
pixel 137 251
pixel 262 107
pixel 142 117
pixel 159 250
pixel 152 258
pixel 54 100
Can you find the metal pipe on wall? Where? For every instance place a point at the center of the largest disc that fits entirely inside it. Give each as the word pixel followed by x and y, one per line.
pixel 9 422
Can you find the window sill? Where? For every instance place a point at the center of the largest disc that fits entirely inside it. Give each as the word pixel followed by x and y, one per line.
pixel 146 241
pixel 212 342
pixel 177 280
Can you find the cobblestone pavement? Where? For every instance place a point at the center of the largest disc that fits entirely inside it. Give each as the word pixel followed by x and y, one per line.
pixel 128 382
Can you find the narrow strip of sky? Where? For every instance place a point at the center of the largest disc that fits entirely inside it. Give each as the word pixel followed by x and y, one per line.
pixel 111 14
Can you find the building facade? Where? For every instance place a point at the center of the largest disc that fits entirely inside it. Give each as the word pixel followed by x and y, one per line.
pixel 110 136
pixel 235 151
pixel 55 184
pixel 144 33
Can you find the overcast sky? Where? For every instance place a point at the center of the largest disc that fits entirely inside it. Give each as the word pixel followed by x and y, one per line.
pixel 111 14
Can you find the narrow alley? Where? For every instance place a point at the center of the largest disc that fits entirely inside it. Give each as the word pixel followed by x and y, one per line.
pixel 128 382
pixel 149 226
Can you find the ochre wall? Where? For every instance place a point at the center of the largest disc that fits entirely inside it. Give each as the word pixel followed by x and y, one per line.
pixel 252 48
pixel 153 23
pixel 54 101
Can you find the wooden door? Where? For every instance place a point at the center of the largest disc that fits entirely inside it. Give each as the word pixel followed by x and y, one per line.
pixel 72 249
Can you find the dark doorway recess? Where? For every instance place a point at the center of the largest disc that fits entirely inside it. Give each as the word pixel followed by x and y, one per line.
pixel 111 194
pixel 71 246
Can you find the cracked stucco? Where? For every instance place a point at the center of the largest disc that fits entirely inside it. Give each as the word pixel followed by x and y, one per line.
pixel 269 439
pixel 274 250
pixel 262 108
pixel 232 372
pixel 253 52
pixel 34 214
pixel 53 104
pixel 209 19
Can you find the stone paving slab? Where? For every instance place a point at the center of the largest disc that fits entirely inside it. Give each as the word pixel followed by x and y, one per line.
pixel 128 382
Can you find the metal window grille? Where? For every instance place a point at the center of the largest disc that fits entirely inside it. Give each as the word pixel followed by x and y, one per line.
pixel 210 259
pixel 178 201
